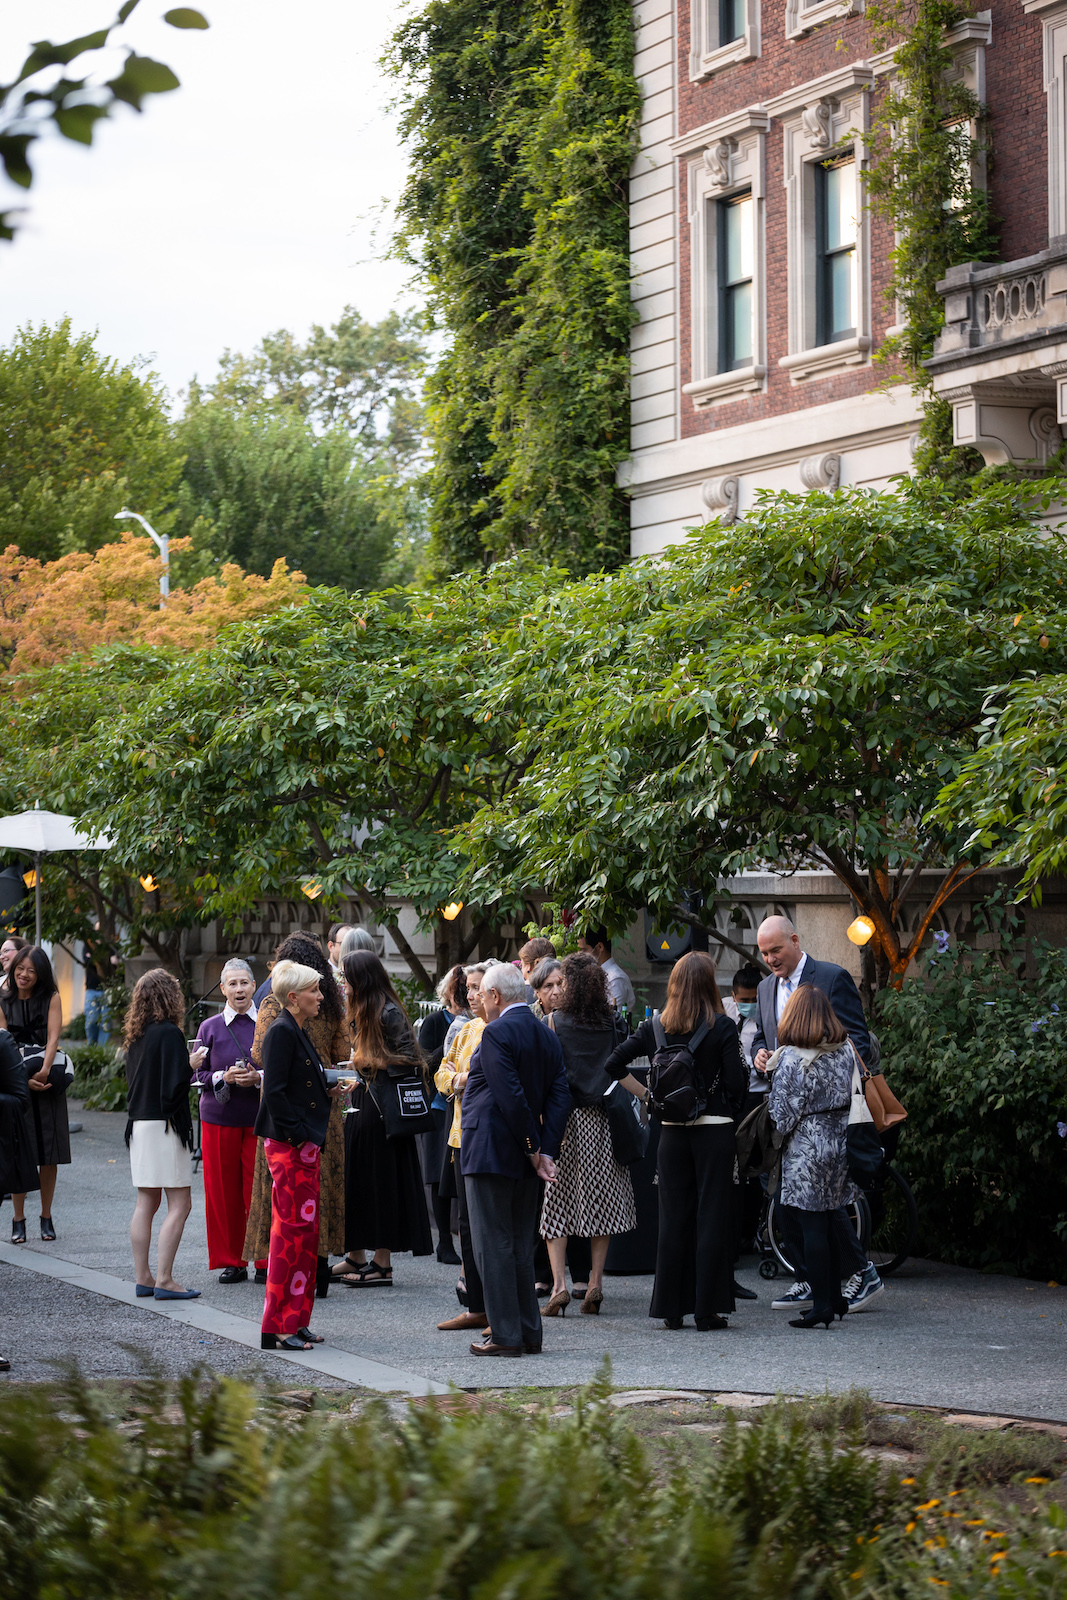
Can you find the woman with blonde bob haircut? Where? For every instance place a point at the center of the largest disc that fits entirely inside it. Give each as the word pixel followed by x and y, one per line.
pixel 695 1165
pixel 293 1119
pixel 811 1091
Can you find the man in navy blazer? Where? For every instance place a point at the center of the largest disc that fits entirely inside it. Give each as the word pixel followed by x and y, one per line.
pixel 779 945
pixel 515 1110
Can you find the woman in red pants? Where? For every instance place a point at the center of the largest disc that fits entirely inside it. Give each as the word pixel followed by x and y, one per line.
pixel 229 1104
pixel 292 1122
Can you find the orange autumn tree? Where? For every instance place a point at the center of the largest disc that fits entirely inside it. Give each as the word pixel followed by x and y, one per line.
pixel 52 610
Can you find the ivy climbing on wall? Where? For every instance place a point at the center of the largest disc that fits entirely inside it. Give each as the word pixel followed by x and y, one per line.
pixel 522 119
pixel 927 151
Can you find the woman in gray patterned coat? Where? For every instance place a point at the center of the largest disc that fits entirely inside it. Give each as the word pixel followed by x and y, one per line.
pixel 811 1091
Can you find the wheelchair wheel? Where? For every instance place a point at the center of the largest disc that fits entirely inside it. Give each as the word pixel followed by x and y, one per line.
pixel 859 1215
pixel 894 1223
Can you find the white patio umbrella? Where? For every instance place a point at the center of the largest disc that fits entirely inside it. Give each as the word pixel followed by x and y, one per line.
pixel 41 832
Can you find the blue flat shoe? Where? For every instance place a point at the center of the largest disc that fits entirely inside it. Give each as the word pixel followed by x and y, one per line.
pixel 143 1289
pixel 176 1294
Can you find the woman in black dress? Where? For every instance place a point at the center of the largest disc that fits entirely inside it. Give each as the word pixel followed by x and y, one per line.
pixel 18 1150
pixel 385 1208
pixel 434 1153
pixel 695 1165
pixel 31 1011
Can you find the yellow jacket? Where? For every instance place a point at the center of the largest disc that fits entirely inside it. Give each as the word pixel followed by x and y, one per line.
pixel 457 1059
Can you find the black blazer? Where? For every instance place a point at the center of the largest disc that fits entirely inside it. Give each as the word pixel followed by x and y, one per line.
pixel 296 1096
pixel 837 985
pixel 516 1101
pixel 18 1140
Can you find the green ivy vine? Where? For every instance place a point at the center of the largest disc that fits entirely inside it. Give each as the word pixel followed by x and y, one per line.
pixel 927 138
pixel 522 117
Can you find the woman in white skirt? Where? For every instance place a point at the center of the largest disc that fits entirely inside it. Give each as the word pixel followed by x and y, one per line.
pixel 159 1132
pixel 592 1196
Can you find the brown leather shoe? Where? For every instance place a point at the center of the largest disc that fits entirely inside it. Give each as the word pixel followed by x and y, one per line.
pixel 488 1348
pixel 466 1319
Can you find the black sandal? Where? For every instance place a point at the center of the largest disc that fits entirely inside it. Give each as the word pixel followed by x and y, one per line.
pixel 313 1338
pixel 345 1265
pixel 369 1276
pixel 273 1341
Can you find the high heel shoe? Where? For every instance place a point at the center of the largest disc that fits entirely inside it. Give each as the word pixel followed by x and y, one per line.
pixel 841 1308
pixel 323 1275
pixel 47 1231
pixel 813 1320
pixel 594 1299
pixel 557 1306
pixel 18 1230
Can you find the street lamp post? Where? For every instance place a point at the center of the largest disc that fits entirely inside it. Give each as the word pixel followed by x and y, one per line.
pixel 162 541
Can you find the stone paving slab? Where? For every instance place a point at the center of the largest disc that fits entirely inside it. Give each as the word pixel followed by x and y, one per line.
pixel 939 1336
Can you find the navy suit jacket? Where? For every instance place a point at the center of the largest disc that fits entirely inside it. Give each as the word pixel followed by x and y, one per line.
pixel 517 1100
pixel 837 985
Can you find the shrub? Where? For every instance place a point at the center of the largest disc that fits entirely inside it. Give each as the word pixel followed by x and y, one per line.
pixel 976 1054
pixel 75 1028
pixel 99 1078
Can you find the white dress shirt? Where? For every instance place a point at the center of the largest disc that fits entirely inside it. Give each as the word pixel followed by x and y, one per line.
pixel 228 1014
pixel 787 987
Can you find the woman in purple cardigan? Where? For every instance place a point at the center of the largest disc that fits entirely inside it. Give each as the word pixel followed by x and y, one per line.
pixel 229 1104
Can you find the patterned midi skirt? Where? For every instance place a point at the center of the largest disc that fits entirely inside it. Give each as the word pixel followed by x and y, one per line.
pixel 592 1196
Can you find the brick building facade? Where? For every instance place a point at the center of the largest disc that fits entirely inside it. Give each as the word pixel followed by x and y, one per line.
pixel 760 276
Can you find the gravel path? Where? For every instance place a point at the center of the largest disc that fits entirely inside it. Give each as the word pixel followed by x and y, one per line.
pixel 939 1335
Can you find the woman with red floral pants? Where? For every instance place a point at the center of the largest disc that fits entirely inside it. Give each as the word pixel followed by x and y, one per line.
pixel 292 1122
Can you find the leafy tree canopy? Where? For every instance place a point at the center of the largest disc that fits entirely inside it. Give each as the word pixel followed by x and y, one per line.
pixel 797 689
pixel 52 611
pixel 307 451
pixel 346 739
pixel 80 435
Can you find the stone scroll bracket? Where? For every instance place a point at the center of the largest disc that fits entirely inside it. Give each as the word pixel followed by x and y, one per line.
pixel 720 497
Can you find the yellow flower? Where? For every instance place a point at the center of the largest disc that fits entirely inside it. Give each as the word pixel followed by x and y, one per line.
pixel 942 1583
pixel 953 1492
pixel 974 1522
pixel 928 1505
pixel 907 1480
pixel 1058 1552
pixel 1037 1480
pixel 911 1527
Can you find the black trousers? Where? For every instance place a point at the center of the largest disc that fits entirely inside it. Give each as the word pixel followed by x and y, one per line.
pixel 503 1219
pixel 822 1254
pixel 850 1251
pixel 695 1251
pixel 471 1275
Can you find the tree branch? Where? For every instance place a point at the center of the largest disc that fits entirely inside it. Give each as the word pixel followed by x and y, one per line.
pixel 681 915
pixel 389 919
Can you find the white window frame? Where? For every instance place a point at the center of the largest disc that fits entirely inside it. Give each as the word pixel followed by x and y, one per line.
pixel 706 55
pixel 801 16
pixel 820 119
pixel 1054 23
pixel 730 159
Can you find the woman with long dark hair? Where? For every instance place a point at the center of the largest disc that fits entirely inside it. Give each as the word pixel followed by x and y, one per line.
pixel 385 1209
pixel 31 1011
pixel 328 1032
pixel 695 1165
pixel 592 1196
pixel 159 1130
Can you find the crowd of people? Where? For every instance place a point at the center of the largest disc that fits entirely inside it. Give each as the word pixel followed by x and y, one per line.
pixel 331 1127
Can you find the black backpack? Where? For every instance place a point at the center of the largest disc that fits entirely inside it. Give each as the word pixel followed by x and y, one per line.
pixel 676 1089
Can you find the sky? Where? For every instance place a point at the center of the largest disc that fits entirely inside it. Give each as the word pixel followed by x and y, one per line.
pixel 246 201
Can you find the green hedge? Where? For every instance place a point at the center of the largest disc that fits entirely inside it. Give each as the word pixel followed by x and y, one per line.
pixel 977 1053
pixel 99 1078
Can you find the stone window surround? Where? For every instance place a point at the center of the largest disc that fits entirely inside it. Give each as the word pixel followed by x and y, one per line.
pixel 706 55
pixel 732 161
pixel 1053 15
pixel 819 118
pixel 801 16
